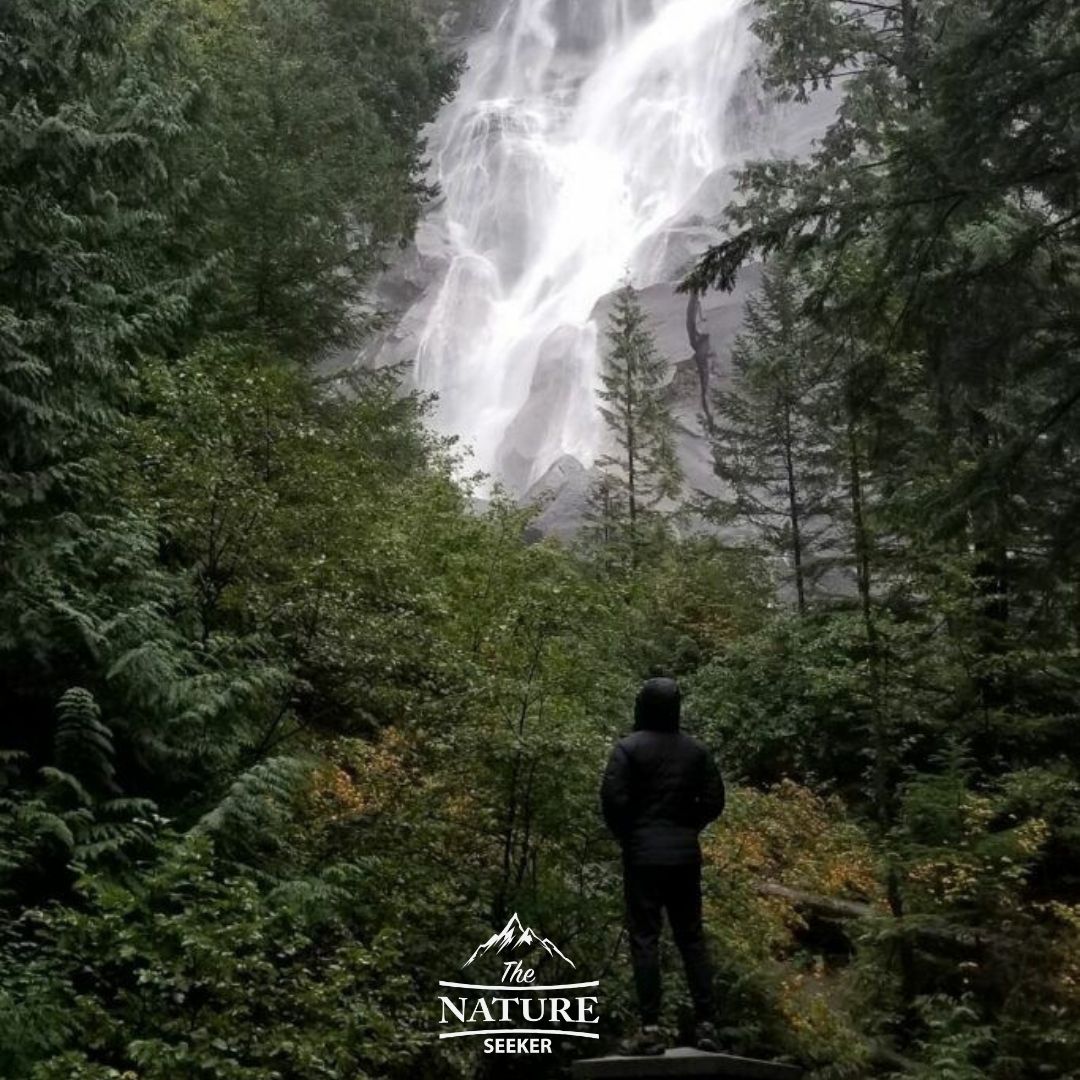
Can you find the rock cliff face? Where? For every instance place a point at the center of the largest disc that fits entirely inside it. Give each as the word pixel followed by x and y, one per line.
pixel 588 140
pixel 564 487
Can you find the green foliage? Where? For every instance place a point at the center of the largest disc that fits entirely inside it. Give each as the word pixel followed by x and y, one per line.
pixel 256 809
pixel 72 818
pixel 88 132
pixel 316 109
pixel 959 1046
pixel 84 745
pixel 642 469
pixel 198 972
pixel 287 720
pixel 936 243
pixel 771 442
pixel 311 516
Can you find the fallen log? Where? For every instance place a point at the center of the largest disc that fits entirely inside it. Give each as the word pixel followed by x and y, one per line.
pixel 831 907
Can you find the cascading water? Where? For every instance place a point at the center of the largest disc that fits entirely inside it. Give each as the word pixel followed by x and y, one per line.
pixel 583 132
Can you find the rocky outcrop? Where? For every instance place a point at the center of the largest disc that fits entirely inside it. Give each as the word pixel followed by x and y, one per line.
pixel 511 363
pixel 563 494
pixel 551 397
pixel 563 490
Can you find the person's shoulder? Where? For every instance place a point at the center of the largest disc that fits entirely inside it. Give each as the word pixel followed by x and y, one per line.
pixel 640 742
pixel 695 744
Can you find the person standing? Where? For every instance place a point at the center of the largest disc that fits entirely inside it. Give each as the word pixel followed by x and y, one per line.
pixel 661 787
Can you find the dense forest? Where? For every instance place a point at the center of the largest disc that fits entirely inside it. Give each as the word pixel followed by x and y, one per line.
pixel 291 717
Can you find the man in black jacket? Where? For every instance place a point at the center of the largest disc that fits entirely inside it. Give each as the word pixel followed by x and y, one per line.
pixel 660 789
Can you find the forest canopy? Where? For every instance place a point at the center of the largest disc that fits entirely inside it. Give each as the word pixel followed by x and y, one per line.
pixel 286 707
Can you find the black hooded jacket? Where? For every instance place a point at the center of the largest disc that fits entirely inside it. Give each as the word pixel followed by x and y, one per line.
pixel 661 787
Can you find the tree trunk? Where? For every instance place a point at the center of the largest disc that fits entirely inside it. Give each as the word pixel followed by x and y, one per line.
pixel 793 511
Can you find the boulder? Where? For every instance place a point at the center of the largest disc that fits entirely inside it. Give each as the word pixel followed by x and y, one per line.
pixel 682 1062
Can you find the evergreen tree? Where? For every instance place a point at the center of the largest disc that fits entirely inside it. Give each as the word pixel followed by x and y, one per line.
pixel 939 215
pixel 643 469
pixel 771 443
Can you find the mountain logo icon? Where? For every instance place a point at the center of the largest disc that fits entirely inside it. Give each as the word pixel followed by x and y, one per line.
pixel 514 936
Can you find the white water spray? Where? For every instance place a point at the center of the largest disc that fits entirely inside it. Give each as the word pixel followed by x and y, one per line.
pixel 582 132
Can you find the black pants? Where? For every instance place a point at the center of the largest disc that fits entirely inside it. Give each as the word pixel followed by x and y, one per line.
pixel 651 890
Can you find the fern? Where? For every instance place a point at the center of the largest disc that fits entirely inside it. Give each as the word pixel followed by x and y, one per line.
pixel 67 817
pixel 315 899
pixel 118 825
pixel 83 744
pixel 258 807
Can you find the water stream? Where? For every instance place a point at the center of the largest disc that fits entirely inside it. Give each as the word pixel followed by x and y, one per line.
pixel 583 132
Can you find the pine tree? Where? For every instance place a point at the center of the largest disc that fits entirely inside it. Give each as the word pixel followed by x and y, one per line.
pixel 771 446
pixel 642 471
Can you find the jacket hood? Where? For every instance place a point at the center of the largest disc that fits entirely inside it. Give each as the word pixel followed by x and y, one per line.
pixel 657 706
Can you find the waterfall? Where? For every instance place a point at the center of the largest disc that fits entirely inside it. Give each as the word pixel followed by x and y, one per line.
pixel 583 132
